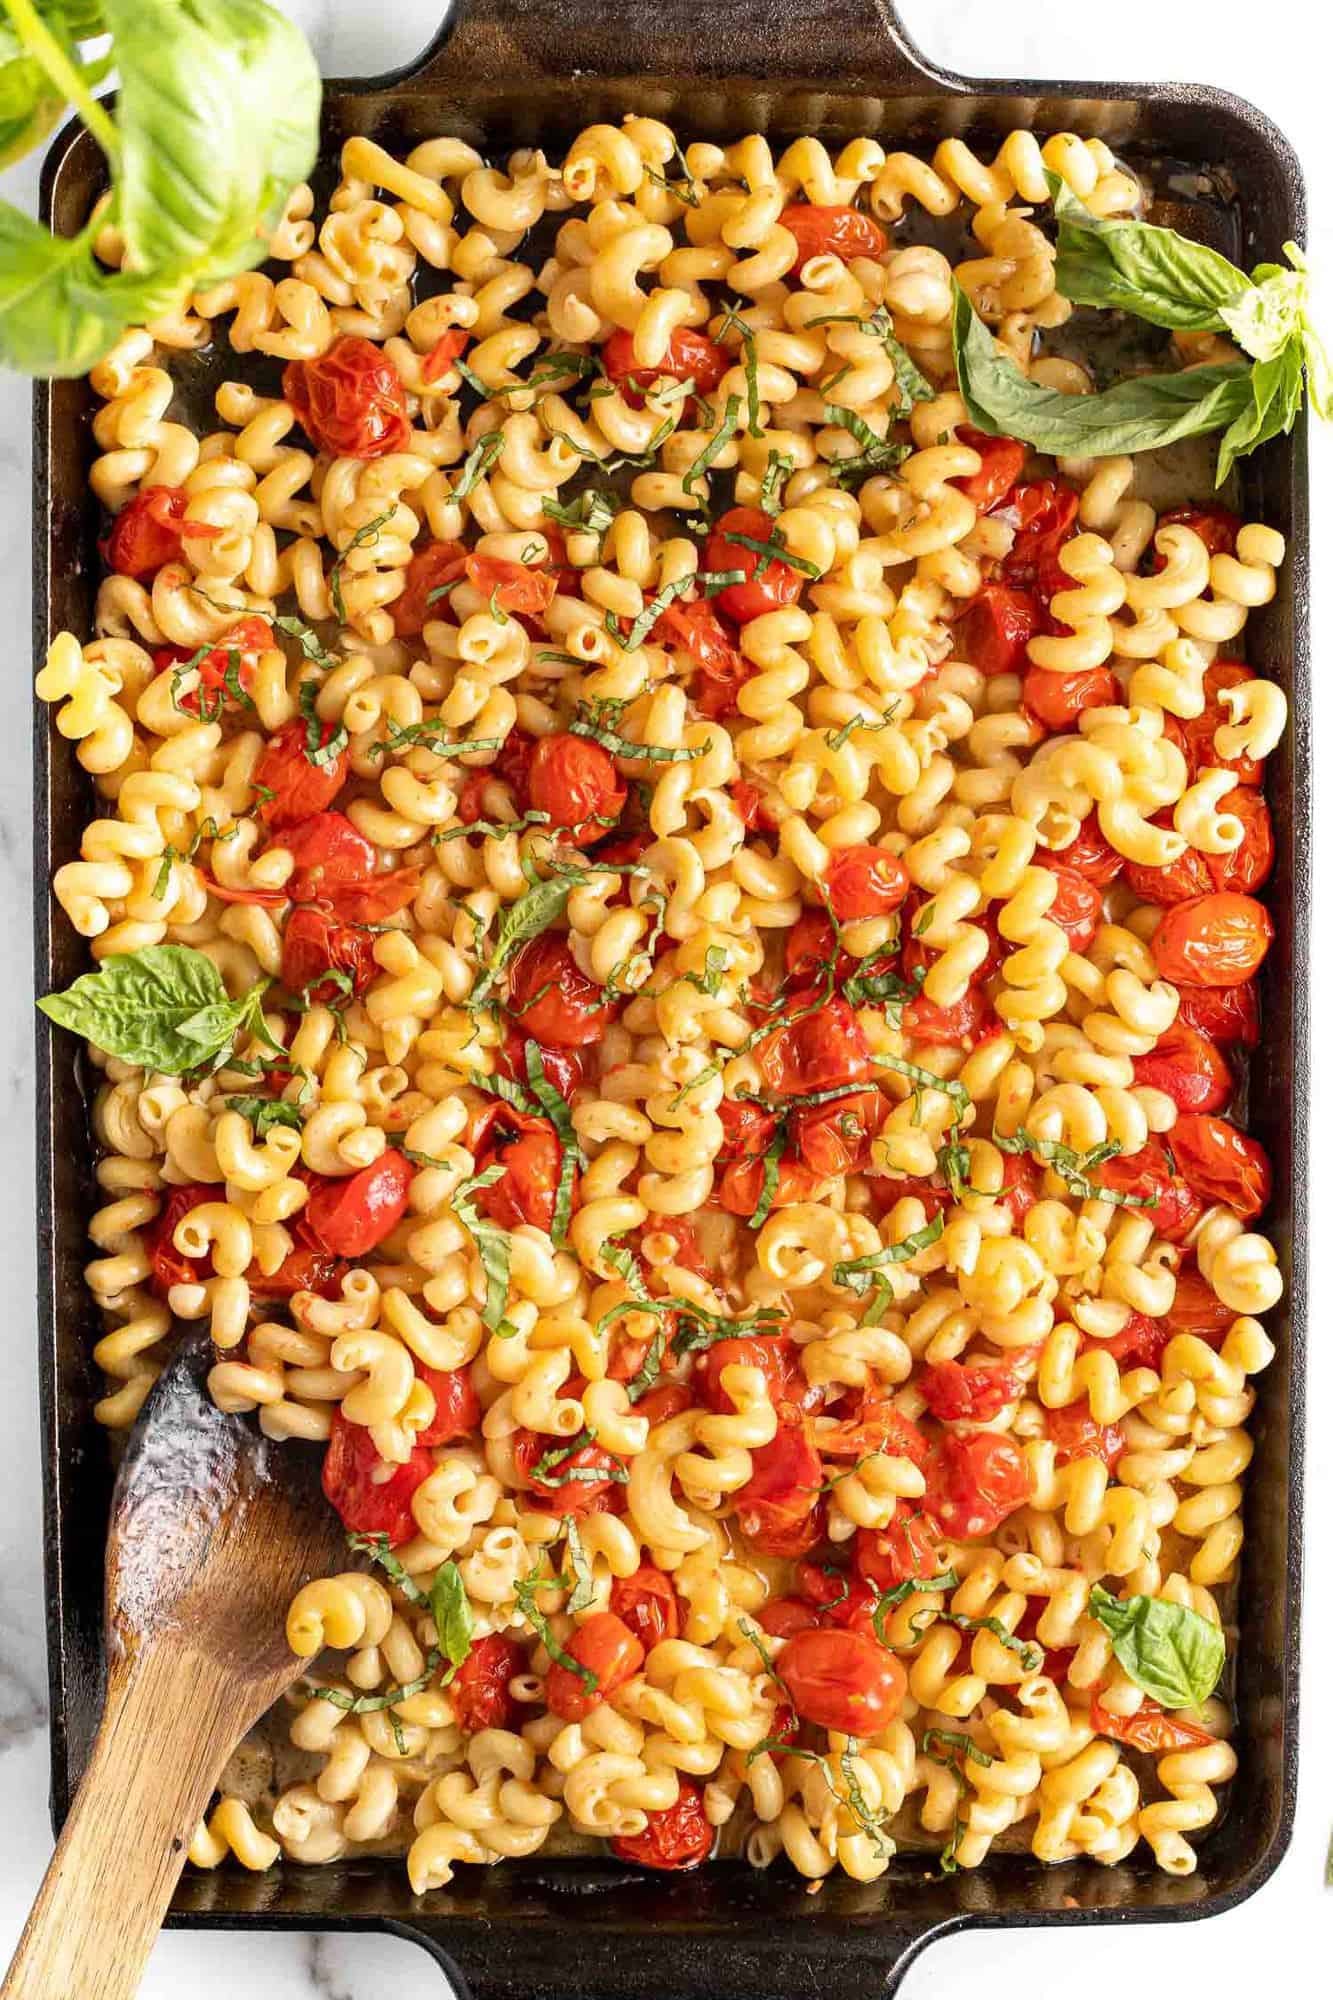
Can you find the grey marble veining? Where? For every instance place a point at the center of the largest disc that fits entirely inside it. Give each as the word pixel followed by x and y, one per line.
pixel 1280 67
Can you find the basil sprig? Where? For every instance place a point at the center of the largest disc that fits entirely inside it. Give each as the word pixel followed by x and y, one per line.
pixel 163 1007
pixel 1169 1651
pixel 216 120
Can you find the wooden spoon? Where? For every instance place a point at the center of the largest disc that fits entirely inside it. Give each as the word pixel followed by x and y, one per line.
pixel 213 1530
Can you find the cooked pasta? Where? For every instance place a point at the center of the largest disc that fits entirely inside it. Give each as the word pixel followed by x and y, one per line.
pixel 720 906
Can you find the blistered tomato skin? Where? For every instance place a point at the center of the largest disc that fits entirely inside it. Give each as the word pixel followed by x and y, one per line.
pixel 842 1680
pixel 350 402
pixel 1217 940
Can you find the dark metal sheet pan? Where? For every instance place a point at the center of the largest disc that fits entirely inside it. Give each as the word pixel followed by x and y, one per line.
pixel 535 71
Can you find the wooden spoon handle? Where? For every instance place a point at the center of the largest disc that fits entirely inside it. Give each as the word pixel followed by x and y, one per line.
pixel 172 1718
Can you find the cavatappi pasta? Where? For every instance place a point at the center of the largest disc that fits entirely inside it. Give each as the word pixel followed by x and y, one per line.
pixel 736 899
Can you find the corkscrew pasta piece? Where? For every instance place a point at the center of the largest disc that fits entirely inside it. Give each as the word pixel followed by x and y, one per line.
pixel 677 930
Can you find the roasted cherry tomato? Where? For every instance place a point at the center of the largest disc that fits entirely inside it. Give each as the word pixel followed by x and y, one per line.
pixel 742 1185
pixel 1139 1343
pixel 993 630
pixel 783 1616
pixel 1167 1199
pixel 226 674
pixel 1197 736
pixel 1057 700
pixel 975 1394
pixel 778 1359
pixel 1175 881
pixel 695 628
pixel 350 402
pixel 1216 527
pixel 907 1547
pixel 1229 1014
pixel 1076 1434
pixel 569 1482
pixel 1197 1309
pixel 1089 854
pixel 648 1605
pixel 479 1690
pixel 690 356
pixel 1044 515
pixel 1217 940
pixel 961 1026
pixel 329 854
pixel 301 1270
pixel 865 882
pixel 441 358
pixel 1002 460
pixel 576 784
pixel 1247 867
pixel 831 231
pixel 675 1838
pixel 769 582
pixel 170 1265
pixel 842 1680
pixel 457 1409
pixel 874 1426
pixel 1077 908
pixel 1188 1067
pixel 298 786
pixel 815 1050
pixel 810 945
pixel 433 567
pixel 779 1499
pixel 319 955
pixel 512 586
pixel 529 1151
pixel 350 1216
pixel 605 1654
pixel 562 1068
pixel 1222 1164
pixel 1151 1729
pixel 553 1000
pixel 747 1130
pixel 370 1496
pixel 147 531
pixel 835 1138
pixel 974 1482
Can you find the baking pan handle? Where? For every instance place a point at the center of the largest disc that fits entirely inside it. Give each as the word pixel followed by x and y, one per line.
pixel 847 42
pixel 517 1962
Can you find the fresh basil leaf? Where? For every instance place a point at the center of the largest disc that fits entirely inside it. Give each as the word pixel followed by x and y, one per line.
pixel 571 1156
pixel 492 1244
pixel 532 914
pixel 452 1613
pixel 1276 389
pixel 525 1602
pixel 1142 413
pixel 857 1274
pixel 1153 273
pixel 587 723
pixel 164 1007
pixel 1169 1651
pixel 266 1112
pixel 31 103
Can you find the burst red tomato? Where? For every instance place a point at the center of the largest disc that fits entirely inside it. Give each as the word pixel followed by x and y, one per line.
pixel 647 1605
pixel 528 1149
pixel 1197 736
pixel 1044 515
pixel 747 1130
pixel 1188 1067
pixel 1057 700
pixel 695 628
pixel 1077 908
pixel 876 1426
pixel 690 356
pixel 1217 940
pixel 1151 1729
pixel 830 230
pixel 956 1393
pixel 1166 1198
pixel 562 1068
pixel 328 852
pixel 1216 527
pixel 576 784
pixel 298 786
pixel 479 1690
pixel 1139 1343
pixel 865 882
pixel 742 1185
pixel 319 955
pixel 818 1051
pixel 148 531
pixel 1197 1309
pixel 442 356
pixel 783 1616
pixel 969 1021
pixel 226 675
pixel 350 402
pixel 1076 1434
pixel 676 1837
pixel 301 1270
pixel 553 1000
pixel 350 1216
pixel 809 946
pixel 457 1409
pixel 511 586
pixel 570 1482
pixel 1229 1014
pixel 1175 881
pixel 608 1654
pixel 1222 1164
pixel 1247 867
pixel 842 1680
pixel 778 1502
pixel 370 1496
pixel 907 1548
pixel 1089 854
pixel 993 630
pixel 170 1265
pixel 766 589
pixel 1001 462
pixel 974 1481
pixel 835 1138
pixel 433 568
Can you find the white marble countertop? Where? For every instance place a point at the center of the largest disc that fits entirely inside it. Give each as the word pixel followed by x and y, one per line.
pixel 1271 57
